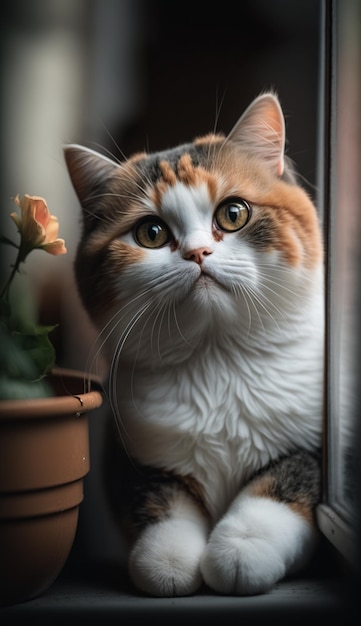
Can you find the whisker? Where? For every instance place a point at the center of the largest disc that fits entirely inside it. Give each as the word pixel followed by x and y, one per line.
pixel 282 297
pixel 259 302
pixel 287 271
pixel 267 305
pixel 242 294
pixel 160 308
pixel 254 298
pixel 164 308
pixel 113 141
pixel 114 366
pixel 178 327
pixel 108 329
pixel 108 153
pixel 219 104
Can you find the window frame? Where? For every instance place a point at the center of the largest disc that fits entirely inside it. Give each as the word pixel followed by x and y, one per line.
pixel 333 517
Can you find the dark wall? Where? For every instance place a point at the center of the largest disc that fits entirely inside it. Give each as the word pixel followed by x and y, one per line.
pixel 201 65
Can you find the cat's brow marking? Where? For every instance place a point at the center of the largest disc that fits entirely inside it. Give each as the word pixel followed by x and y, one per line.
pixel 186 173
pixel 168 174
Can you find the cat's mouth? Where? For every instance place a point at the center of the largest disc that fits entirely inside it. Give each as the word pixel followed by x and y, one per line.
pixel 206 281
pixel 204 278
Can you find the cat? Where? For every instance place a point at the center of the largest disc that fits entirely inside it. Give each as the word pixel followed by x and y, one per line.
pixel 202 268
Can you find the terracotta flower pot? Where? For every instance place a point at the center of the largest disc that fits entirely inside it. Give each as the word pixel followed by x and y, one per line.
pixel 44 456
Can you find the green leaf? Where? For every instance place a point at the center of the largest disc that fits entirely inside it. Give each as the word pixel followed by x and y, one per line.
pixel 5 311
pixel 26 357
pixel 40 329
pixel 26 353
pixel 22 305
pixel 19 372
pixel 19 389
pixel 14 363
pixel 39 349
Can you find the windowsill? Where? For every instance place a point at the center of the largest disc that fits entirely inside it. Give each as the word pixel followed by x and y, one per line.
pixel 102 594
pixel 338 532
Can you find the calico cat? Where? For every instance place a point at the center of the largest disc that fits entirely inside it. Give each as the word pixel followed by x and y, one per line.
pixel 202 268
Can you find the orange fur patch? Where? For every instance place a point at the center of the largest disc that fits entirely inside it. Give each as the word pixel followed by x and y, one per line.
pixel 297 233
pixel 211 138
pixel 304 510
pixel 263 487
pixel 138 156
pixel 168 174
pixel 123 255
pixel 104 292
pixel 103 237
pixel 169 178
pixel 196 491
pixel 297 224
pixel 186 174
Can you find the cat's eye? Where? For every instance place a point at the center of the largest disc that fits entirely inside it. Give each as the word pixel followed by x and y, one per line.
pixel 232 214
pixel 151 232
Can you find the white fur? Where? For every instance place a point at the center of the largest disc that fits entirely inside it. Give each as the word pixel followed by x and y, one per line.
pixel 255 544
pixel 165 561
pixel 217 371
pixel 223 425
pixel 211 383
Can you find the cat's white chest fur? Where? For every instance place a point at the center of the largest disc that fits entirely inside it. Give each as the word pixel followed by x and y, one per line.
pixel 223 414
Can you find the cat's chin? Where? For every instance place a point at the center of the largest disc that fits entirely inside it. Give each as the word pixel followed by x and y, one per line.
pixel 205 287
pixel 205 281
pixel 209 294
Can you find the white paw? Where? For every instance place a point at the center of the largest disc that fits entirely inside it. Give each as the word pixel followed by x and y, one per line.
pixel 165 559
pixel 257 542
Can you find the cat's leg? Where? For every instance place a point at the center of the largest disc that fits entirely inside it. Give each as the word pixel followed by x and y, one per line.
pixel 268 531
pixel 165 559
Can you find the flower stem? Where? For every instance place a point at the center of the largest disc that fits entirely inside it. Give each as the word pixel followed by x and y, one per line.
pixel 21 256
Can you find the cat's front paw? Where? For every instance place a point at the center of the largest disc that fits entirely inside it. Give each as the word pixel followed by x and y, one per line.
pixel 165 559
pixel 254 546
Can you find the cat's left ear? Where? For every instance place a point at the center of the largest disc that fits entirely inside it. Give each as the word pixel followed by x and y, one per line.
pixel 88 171
pixel 261 131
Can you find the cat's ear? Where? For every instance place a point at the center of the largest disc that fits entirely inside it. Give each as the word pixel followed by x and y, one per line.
pixel 88 171
pixel 261 130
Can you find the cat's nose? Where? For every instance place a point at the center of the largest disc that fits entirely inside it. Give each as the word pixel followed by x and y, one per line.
pixel 198 254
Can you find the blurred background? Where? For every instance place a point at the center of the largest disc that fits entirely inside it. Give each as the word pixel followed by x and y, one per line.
pixel 128 75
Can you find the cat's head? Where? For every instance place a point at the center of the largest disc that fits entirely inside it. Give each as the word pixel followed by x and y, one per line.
pixel 214 232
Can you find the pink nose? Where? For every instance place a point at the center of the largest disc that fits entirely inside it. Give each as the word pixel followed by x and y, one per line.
pixel 197 255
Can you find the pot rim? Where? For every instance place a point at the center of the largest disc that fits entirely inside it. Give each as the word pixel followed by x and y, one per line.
pixel 42 501
pixel 67 404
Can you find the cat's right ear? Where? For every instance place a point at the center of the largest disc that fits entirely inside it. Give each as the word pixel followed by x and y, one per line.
pixel 89 172
pixel 261 131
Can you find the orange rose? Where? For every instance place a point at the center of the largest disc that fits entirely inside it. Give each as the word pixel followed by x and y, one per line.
pixel 37 227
